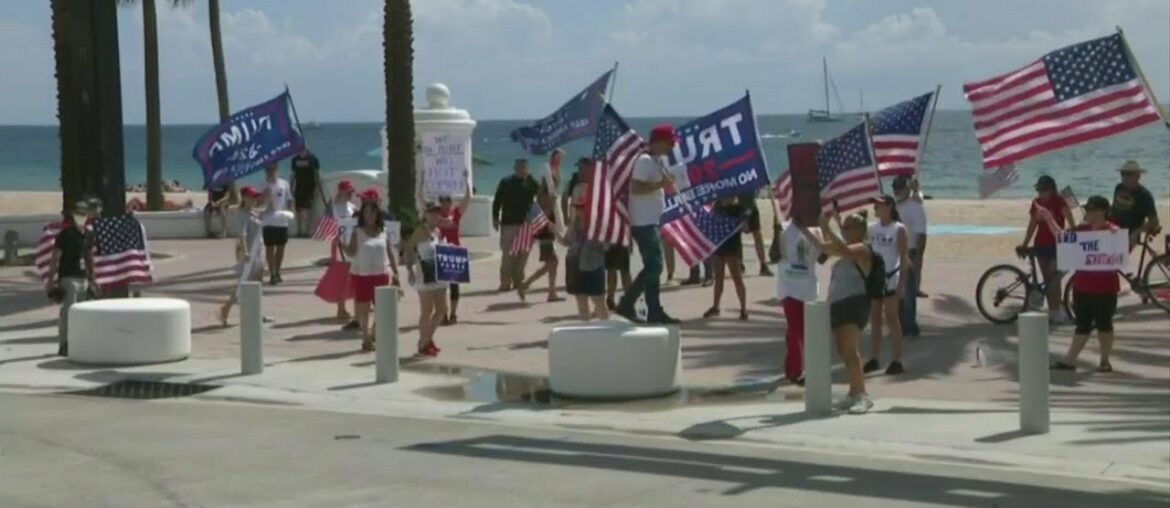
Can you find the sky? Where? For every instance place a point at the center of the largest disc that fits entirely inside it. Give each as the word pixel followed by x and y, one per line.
pixel 515 59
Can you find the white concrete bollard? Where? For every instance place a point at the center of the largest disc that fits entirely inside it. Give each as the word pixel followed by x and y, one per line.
pixel 1033 372
pixel 818 364
pixel 251 329
pixel 386 335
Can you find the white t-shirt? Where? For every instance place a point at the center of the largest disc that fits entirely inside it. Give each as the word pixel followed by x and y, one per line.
pixel 343 210
pixel 884 240
pixel 798 272
pixel 646 209
pixel 281 193
pixel 914 217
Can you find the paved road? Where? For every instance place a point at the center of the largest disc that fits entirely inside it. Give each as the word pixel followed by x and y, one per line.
pixel 74 451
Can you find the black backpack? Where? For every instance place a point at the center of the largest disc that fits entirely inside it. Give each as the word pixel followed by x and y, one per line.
pixel 875 282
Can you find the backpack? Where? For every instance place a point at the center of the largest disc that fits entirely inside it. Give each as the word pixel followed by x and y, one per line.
pixel 875 282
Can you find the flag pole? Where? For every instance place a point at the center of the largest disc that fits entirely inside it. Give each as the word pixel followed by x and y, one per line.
pixel 612 84
pixel 1145 82
pixel 876 174
pixel 926 135
pixel 320 191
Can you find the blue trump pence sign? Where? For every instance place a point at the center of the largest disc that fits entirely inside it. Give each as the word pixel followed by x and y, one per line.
pixel 452 264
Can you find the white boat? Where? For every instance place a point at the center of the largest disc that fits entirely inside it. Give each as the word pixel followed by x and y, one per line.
pixel 826 115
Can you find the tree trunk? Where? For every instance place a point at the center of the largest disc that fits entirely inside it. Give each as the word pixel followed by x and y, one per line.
pixel 72 180
pixel 398 40
pixel 221 88
pixel 154 184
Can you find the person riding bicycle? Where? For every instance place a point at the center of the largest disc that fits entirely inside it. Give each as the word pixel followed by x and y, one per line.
pixel 1044 241
pixel 1133 205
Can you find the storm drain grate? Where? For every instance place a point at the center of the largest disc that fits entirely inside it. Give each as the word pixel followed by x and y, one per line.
pixel 145 390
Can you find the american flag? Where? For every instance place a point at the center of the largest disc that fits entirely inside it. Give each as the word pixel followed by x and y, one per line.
pixel 1072 95
pixel 122 256
pixel 993 180
pixel 533 224
pixel 616 148
pixel 327 228
pixel 46 244
pixel 698 232
pixel 897 134
pixel 846 172
pixel 782 191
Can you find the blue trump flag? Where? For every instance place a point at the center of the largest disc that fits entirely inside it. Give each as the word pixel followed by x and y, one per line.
pixel 452 264
pixel 248 141
pixel 717 156
pixel 574 120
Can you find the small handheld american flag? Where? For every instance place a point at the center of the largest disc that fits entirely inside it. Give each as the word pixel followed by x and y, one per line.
pixel 327 228
pixel 533 224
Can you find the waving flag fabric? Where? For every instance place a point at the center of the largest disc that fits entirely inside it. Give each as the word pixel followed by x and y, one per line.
pixel 247 141
pixel 992 181
pixel 535 222
pixel 782 192
pixel 574 120
pixel 122 256
pixel 616 148
pixel 1072 95
pixel 698 232
pixel 846 172
pixel 327 228
pixel 898 132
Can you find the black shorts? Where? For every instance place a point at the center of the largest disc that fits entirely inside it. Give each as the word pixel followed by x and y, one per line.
pixel 617 257
pixel 303 199
pixel 1094 312
pixel 732 248
pixel 545 240
pixel 852 310
pixel 275 235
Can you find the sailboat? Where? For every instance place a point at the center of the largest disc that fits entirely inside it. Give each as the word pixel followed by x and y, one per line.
pixel 825 115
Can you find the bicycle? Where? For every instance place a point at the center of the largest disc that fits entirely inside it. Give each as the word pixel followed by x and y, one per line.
pixel 1150 281
pixel 1011 291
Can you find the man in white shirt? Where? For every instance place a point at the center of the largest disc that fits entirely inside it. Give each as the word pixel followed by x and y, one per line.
pixel 647 201
pixel 278 201
pixel 914 217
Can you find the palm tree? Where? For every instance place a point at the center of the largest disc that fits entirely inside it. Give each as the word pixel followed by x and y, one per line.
pixel 221 89
pixel 72 180
pixel 397 45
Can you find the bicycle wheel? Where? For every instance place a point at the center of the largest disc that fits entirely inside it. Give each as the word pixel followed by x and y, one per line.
pixel 1002 293
pixel 1156 281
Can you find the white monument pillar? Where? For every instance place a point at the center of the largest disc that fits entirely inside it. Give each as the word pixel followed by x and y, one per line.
pixel 449 129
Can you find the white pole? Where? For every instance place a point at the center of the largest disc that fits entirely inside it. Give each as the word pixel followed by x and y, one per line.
pixel 386 336
pixel 1033 372
pixel 251 329
pixel 818 383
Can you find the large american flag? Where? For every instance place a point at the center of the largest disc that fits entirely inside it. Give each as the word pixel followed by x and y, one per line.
pixel 846 172
pixel 46 245
pixel 1072 95
pixel 616 148
pixel 898 132
pixel 698 232
pixel 122 257
pixel 533 224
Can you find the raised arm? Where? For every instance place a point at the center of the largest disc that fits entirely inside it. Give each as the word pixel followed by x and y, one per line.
pixel 465 203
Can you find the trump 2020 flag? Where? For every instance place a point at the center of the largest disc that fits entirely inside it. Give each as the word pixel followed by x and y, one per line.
pixel 249 140
pixel 452 264
pixel 722 156
pixel 574 120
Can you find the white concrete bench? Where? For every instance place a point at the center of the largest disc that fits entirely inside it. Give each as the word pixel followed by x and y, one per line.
pixel 130 331
pixel 614 360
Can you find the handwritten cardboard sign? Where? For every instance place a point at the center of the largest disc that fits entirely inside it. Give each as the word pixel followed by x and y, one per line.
pixel 1092 251
pixel 446 163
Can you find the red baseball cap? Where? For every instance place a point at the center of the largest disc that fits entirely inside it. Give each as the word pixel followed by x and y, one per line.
pixel 663 132
pixel 371 195
pixel 249 192
pixel 345 186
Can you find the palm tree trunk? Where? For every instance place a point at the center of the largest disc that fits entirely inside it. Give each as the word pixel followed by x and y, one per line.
pixel 72 180
pixel 398 40
pixel 154 185
pixel 221 88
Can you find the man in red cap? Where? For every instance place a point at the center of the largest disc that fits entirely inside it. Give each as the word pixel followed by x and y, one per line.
pixel 647 200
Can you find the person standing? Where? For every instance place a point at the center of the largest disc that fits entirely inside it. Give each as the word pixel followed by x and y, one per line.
pixel 372 262
pixel 452 216
pixel 431 291
pixel 647 201
pixel 513 200
pixel 1044 241
pixel 729 255
pixel 1133 205
pixel 889 240
pixel 755 228
pixel 218 199
pixel 585 268
pixel 798 284
pixel 306 170
pixel 71 276
pixel 342 207
pixel 249 262
pixel 278 200
pixel 547 199
pixel 914 217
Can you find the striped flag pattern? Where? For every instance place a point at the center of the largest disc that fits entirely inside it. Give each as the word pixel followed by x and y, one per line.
pixel 697 233
pixel 47 242
pixel 122 256
pixel 846 170
pixel 616 148
pixel 782 191
pixel 1076 94
pixel 327 228
pixel 897 133
pixel 994 180
pixel 533 224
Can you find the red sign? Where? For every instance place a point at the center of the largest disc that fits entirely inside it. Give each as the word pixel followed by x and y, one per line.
pixel 806 188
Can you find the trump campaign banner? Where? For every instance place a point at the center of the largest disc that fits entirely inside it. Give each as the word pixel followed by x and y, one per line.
pixel 576 119
pixel 717 156
pixel 248 141
pixel 452 264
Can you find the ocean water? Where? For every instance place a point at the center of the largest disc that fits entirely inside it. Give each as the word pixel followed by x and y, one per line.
pixel 29 155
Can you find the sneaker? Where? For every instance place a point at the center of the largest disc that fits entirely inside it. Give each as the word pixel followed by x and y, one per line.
pixel 798 381
pixel 708 282
pixel 861 405
pixel 894 368
pixel 352 325
pixel 844 404
pixel 663 319
pixel 1060 365
pixel 272 280
pixel 627 312
pixel 689 282
pixel 267 320
pixel 871 366
pixel 712 312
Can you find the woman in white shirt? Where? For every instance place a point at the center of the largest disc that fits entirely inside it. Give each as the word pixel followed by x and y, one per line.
pixel 371 263
pixel 890 240
pixel 432 293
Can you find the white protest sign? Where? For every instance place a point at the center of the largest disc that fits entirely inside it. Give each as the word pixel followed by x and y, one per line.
pixel 1092 251
pixel 446 163
pixel 394 232
pixel 345 229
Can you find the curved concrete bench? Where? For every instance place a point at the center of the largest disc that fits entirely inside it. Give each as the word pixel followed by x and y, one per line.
pixel 130 331
pixel 613 360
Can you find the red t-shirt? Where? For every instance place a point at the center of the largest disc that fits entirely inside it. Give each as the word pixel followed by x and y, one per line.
pixel 1100 283
pixel 451 233
pixel 1056 205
